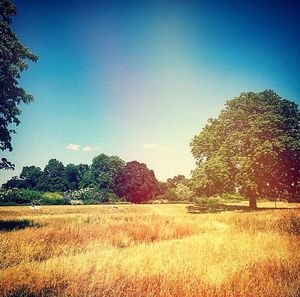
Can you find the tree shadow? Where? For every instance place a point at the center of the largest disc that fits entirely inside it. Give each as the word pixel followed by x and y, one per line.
pixel 12 225
pixel 217 208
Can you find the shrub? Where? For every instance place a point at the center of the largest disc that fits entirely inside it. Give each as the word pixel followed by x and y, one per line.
pixel 17 196
pixel 54 198
pixel 169 195
pixel 207 200
pixel 92 196
pixel 233 197
pixel 183 192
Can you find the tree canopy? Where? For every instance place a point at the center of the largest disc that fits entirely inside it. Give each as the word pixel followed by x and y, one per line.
pixel 31 177
pixel 104 170
pixel 136 183
pixel 13 56
pixel 54 177
pixel 252 147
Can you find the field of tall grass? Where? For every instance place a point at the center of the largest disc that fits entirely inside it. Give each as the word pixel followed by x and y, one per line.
pixel 150 250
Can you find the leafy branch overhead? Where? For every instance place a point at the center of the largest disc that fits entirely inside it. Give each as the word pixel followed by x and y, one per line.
pixel 13 60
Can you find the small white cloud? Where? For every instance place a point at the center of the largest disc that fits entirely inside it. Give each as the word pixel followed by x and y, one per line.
pixel 89 148
pixel 73 147
pixel 155 146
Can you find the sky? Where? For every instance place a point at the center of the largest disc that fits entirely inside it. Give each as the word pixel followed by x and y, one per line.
pixel 138 79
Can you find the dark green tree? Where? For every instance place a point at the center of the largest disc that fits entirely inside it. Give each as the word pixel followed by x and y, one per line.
pixel 31 177
pixel 13 57
pixel 104 170
pixel 72 177
pixel 54 177
pixel 87 180
pixel 13 183
pixel 253 146
pixel 136 183
pixel 82 169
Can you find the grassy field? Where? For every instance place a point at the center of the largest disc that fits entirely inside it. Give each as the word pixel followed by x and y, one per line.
pixel 150 250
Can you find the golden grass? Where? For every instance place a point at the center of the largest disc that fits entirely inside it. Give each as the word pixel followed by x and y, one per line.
pixel 149 250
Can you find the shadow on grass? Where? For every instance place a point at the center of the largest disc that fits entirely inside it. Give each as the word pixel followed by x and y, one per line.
pixel 216 208
pixel 12 225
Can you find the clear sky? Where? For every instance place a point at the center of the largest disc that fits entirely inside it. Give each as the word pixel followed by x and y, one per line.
pixel 140 79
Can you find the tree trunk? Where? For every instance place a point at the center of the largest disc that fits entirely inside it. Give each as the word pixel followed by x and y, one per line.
pixel 252 202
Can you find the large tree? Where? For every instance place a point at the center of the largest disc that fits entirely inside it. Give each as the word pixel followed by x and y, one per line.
pixel 31 177
pixel 72 176
pixel 103 171
pixel 136 183
pixel 253 146
pixel 54 177
pixel 13 57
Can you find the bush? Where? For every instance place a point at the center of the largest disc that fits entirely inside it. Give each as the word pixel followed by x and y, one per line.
pixel 207 200
pixel 54 198
pixel 92 196
pixel 233 197
pixel 16 196
pixel 183 192
pixel 169 195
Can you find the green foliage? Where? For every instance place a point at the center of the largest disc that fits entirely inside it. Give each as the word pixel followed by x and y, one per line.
pixel 232 197
pixel 13 56
pixel 52 195
pixel 213 177
pixel 72 177
pixel 87 180
pixel 16 196
pixel 54 177
pixel 13 183
pixel 254 145
pixel 183 192
pixel 54 198
pixel 176 189
pixel 92 195
pixel 207 200
pixel 31 177
pixel 169 195
pixel 136 183
pixel 104 170
pixel 173 182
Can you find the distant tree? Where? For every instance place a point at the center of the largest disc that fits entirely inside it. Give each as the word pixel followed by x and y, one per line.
pixel 136 183
pixel 82 169
pixel 54 177
pixel 163 187
pixel 104 170
pixel 253 146
pixel 31 177
pixel 72 177
pixel 173 182
pixel 87 180
pixel 13 183
pixel 183 192
pixel 13 56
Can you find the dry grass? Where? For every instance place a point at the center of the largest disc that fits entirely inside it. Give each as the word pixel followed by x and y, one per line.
pixel 148 250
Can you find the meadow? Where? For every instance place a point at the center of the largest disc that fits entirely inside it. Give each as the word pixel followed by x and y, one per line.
pixel 150 250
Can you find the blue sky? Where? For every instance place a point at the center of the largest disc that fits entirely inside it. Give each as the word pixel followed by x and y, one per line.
pixel 140 79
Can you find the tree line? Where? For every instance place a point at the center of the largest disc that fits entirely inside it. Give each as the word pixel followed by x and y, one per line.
pixel 132 181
